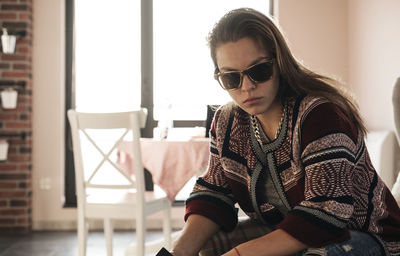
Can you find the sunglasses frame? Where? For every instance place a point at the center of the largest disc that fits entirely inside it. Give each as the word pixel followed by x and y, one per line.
pixel 241 73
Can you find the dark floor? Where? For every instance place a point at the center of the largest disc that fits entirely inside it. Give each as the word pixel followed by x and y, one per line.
pixel 64 243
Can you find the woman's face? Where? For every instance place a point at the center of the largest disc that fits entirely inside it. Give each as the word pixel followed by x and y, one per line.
pixel 254 98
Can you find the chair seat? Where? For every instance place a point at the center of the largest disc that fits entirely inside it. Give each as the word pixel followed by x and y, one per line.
pixel 120 196
pixel 121 204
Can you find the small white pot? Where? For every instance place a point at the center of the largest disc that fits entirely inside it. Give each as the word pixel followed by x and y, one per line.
pixel 9 98
pixel 3 150
pixel 8 43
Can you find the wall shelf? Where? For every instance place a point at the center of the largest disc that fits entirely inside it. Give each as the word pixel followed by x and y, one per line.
pixel 11 83
pixel 22 135
pixel 12 31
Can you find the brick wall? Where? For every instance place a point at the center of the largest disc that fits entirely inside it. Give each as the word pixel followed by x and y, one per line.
pixel 16 124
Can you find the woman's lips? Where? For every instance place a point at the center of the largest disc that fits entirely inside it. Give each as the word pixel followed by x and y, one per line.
pixel 252 100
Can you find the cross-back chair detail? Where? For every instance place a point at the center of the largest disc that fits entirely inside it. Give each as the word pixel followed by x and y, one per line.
pixel 106 157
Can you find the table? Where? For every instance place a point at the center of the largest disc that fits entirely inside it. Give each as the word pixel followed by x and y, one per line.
pixel 172 163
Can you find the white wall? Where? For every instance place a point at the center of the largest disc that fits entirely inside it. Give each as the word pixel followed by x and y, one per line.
pixel 317 34
pixel 374 58
pixel 356 41
pixel 48 111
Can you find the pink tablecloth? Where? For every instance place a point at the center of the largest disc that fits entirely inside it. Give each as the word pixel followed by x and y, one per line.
pixel 172 163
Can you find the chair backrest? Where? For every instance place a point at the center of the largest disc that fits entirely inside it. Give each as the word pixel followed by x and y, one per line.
pixel 210 115
pixel 95 138
pixel 396 107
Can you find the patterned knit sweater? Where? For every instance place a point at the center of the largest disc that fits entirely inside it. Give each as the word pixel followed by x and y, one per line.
pixel 319 166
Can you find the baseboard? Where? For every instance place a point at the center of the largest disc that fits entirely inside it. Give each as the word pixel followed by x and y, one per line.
pixel 98 225
pixel 152 222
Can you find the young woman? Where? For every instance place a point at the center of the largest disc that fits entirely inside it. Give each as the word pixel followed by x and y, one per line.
pixel 290 152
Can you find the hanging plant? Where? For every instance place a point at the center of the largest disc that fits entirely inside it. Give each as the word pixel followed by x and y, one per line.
pixel 8 40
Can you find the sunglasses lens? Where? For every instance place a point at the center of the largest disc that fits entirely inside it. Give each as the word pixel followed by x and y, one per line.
pixel 230 80
pixel 258 73
pixel 261 72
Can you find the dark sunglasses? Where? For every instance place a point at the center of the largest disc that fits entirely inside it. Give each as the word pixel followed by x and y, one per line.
pixel 258 73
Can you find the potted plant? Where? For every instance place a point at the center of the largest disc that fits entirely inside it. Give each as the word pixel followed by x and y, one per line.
pixel 8 40
pixel 3 149
pixel 9 98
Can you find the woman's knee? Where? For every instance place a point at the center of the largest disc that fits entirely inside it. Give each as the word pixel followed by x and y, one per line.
pixel 360 244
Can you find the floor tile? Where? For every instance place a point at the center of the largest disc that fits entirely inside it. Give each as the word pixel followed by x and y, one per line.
pixel 64 243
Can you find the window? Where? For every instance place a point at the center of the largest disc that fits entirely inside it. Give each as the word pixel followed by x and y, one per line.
pixel 183 69
pixel 107 55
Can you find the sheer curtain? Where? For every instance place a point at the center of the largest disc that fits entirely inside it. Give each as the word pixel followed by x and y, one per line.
pixel 107 55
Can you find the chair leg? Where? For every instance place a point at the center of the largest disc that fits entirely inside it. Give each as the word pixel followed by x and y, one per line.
pixel 167 226
pixel 82 235
pixel 140 234
pixel 108 232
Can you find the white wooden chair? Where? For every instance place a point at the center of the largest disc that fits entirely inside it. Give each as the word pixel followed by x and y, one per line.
pixel 105 199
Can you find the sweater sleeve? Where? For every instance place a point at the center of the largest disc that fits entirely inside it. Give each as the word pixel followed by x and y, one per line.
pixel 328 147
pixel 212 196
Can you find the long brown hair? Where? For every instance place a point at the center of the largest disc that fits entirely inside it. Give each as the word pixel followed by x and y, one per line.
pixel 295 79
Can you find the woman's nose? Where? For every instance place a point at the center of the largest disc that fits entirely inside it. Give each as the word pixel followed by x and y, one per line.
pixel 247 84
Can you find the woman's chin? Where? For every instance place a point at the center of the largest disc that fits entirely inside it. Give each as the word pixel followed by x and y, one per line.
pixel 252 111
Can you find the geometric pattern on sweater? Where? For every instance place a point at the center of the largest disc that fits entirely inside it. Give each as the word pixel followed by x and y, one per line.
pixel 319 166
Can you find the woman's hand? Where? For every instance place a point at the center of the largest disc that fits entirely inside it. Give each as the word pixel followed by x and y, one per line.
pixel 233 252
pixel 197 231
pixel 180 252
pixel 277 242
